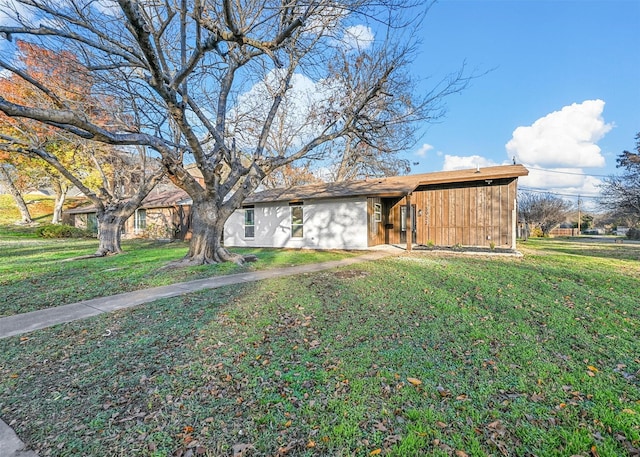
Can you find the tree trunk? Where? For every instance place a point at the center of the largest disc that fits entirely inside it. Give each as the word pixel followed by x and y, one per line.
pixel 61 194
pixel 205 247
pixel 109 230
pixel 17 196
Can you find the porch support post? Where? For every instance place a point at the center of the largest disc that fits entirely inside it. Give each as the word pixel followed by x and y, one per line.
pixel 514 220
pixel 409 224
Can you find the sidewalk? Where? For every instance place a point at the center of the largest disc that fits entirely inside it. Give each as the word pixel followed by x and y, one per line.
pixel 36 320
pixel 11 445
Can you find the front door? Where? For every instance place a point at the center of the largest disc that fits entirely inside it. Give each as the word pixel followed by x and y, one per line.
pixel 403 224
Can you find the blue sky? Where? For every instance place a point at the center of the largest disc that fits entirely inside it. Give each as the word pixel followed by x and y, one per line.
pixel 541 56
pixel 560 88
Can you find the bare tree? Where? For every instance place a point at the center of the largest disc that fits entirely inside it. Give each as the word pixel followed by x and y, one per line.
pixel 115 181
pixel 389 124
pixel 542 210
pixel 183 69
pixel 621 194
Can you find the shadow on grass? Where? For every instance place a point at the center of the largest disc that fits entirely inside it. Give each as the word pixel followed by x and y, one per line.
pixel 501 353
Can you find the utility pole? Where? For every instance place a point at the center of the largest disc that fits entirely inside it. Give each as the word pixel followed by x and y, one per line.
pixel 579 216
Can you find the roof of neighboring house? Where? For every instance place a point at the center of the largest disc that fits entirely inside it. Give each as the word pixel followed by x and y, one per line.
pixel 155 199
pixel 396 186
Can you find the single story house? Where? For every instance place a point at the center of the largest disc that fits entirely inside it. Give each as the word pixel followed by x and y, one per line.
pixel 474 207
pixel 163 214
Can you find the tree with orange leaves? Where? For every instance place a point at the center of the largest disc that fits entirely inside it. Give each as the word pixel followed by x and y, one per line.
pixel 116 181
pixel 208 84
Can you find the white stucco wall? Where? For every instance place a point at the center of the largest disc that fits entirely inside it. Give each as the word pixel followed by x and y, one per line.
pixel 328 224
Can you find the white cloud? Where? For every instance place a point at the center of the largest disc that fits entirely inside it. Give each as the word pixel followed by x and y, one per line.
pixel 294 123
pixel 358 37
pixel 422 152
pixel 567 181
pixel 563 138
pixel 465 162
pixel 108 7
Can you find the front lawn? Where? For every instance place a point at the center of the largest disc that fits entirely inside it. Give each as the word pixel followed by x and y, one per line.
pixel 422 354
pixel 35 275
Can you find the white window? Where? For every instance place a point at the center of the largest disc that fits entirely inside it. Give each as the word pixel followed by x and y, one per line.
pixel 297 221
pixel 140 220
pixel 377 212
pixel 249 223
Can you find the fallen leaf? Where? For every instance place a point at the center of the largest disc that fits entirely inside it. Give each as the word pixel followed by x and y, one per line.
pixel 441 424
pixel 241 449
pixel 460 453
pixel 375 451
pixel 284 450
pixel 311 444
pixel 495 424
pixel 443 392
pixel 391 440
pixel 628 411
pixel 380 427
pixel 535 397
pixel 187 429
pixel 592 368
pixel 414 381
pixel 288 423
pixel 591 374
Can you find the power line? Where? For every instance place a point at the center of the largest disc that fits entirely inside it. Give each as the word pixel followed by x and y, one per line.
pixel 542 191
pixel 567 172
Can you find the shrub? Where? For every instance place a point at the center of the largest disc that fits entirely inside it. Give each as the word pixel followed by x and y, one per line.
pixel 633 233
pixel 537 232
pixel 62 231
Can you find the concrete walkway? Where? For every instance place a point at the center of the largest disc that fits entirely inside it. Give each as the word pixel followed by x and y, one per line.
pixel 11 445
pixel 36 320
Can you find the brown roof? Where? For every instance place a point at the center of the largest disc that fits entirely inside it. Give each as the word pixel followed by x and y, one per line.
pixel 155 199
pixel 395 186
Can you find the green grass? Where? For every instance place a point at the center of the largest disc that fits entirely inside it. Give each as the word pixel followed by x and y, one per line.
pixel 532 356
pixel 34 274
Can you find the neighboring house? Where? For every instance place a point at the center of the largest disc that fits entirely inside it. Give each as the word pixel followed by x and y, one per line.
pixel 465 207
pixel 621 230
pixel 164 214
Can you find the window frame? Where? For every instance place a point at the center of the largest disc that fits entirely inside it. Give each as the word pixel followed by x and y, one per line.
pixel 377 212
pixel 297 228
pixel 137 225
pixel 252 225
pixel 92 223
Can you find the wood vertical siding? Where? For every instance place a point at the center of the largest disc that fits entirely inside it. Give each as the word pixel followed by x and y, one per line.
pixel 469 214
pixel 375 229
